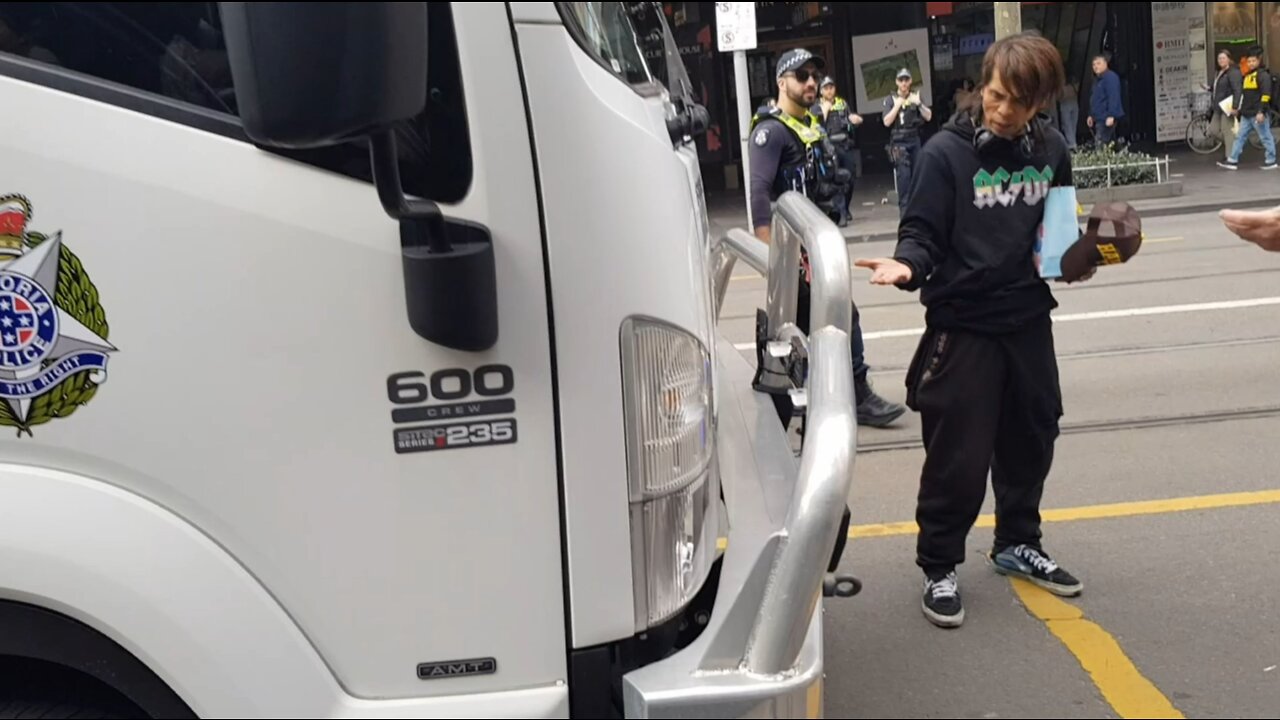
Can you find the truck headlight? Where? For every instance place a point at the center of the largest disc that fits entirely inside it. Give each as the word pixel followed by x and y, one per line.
pixel 674 480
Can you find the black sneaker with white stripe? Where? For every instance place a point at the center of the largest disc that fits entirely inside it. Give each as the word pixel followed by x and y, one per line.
pixel 941 601
pixel 1036 567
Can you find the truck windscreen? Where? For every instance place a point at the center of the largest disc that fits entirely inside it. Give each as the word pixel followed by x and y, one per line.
pixel 633 41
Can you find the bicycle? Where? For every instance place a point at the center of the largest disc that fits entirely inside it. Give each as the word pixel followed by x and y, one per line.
pixel 1203 136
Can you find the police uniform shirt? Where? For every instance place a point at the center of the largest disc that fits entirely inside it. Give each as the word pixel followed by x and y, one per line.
pixel 910 119
pixel 774 147
pixel 837 124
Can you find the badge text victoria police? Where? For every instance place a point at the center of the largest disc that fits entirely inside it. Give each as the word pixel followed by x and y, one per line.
pixel 463 414
pixel 53 330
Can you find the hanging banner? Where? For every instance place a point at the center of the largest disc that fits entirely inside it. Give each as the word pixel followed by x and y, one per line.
pixel 1171 30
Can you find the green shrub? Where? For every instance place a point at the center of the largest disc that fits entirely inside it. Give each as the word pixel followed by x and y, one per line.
pixel 1125 169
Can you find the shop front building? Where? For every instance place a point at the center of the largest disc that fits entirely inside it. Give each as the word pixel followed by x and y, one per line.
pixel 1162 52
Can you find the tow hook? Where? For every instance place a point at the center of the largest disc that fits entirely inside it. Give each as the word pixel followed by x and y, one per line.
pixel 841 586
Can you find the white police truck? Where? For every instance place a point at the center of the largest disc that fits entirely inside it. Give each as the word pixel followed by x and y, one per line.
pixel 361 360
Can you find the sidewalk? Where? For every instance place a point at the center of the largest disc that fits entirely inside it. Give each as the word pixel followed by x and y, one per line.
pixel 1206 188
pixel 874 218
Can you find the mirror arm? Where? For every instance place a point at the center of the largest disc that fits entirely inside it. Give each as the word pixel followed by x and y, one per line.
pixel 450 272
pixel 425 214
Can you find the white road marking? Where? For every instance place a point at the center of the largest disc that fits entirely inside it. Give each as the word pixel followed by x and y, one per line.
pixel 759 277
pixel 1102 315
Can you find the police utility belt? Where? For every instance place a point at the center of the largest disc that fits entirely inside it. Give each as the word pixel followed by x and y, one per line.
pixel 904 134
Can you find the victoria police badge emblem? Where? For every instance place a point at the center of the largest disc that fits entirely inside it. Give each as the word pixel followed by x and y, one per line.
pixel 53 329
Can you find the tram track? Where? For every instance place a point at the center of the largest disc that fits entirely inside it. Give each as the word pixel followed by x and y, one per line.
pixel 1119 424
pixel 1126 351
pixel 1129 423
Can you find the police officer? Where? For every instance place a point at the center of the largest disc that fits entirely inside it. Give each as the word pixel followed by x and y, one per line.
pixel 904 114
pixel 841 124
pixel 786 152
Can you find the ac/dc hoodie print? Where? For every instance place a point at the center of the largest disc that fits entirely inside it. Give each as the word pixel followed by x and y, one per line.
pixel 970 239
pixel 984 377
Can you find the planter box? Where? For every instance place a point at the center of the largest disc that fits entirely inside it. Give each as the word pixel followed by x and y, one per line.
pixel 1129 193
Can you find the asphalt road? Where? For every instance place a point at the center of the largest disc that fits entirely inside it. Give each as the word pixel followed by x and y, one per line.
pixel 1170 371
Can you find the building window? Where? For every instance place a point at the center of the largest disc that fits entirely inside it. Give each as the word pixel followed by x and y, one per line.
pixel 1271 31
pixel 1235 26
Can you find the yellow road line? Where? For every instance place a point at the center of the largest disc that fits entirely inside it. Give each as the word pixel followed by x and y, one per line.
pixel 1122 685
pixel 1097 512
pixel 813 701
pixel 1087 512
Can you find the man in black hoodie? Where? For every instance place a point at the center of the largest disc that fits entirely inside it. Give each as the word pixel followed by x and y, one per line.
pixel 985 376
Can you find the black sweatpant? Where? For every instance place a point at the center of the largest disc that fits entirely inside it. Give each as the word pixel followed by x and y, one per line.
pixel 988 403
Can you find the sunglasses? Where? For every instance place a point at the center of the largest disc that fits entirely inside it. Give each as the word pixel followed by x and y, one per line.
pixel 804 75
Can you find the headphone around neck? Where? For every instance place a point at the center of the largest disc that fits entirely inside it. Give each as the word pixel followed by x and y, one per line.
pixel 1024 144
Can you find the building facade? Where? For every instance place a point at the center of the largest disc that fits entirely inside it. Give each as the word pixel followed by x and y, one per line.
pixel 1162 52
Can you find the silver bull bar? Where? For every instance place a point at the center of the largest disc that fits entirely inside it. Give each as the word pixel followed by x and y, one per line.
pixel 761 653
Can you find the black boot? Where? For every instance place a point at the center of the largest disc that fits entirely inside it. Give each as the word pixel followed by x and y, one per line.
pixel 874 410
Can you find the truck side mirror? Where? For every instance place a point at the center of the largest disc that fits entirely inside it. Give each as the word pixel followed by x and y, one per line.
pixel 310 74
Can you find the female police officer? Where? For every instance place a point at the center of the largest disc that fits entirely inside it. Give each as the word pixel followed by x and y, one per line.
pixel 985 376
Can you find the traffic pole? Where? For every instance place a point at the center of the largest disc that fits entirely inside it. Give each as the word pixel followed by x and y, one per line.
pixel 744 125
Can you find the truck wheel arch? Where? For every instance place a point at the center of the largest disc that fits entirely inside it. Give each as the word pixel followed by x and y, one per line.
pixel 88 556
pixel 34 633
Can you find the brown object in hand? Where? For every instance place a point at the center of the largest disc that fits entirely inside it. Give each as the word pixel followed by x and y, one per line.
pixel 1112 236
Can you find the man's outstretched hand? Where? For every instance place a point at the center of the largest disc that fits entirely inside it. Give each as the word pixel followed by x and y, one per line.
pixel 1261 227
pixel 885 271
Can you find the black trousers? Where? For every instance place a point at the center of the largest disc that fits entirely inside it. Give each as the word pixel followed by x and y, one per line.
pixel 988 404
pixel 907 151
pixel 857 348
pixel 843 199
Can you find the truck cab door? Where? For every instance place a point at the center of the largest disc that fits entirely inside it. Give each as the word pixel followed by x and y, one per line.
pixel 261 378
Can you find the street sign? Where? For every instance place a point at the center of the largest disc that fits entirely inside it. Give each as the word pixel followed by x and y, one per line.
pixel 736 26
